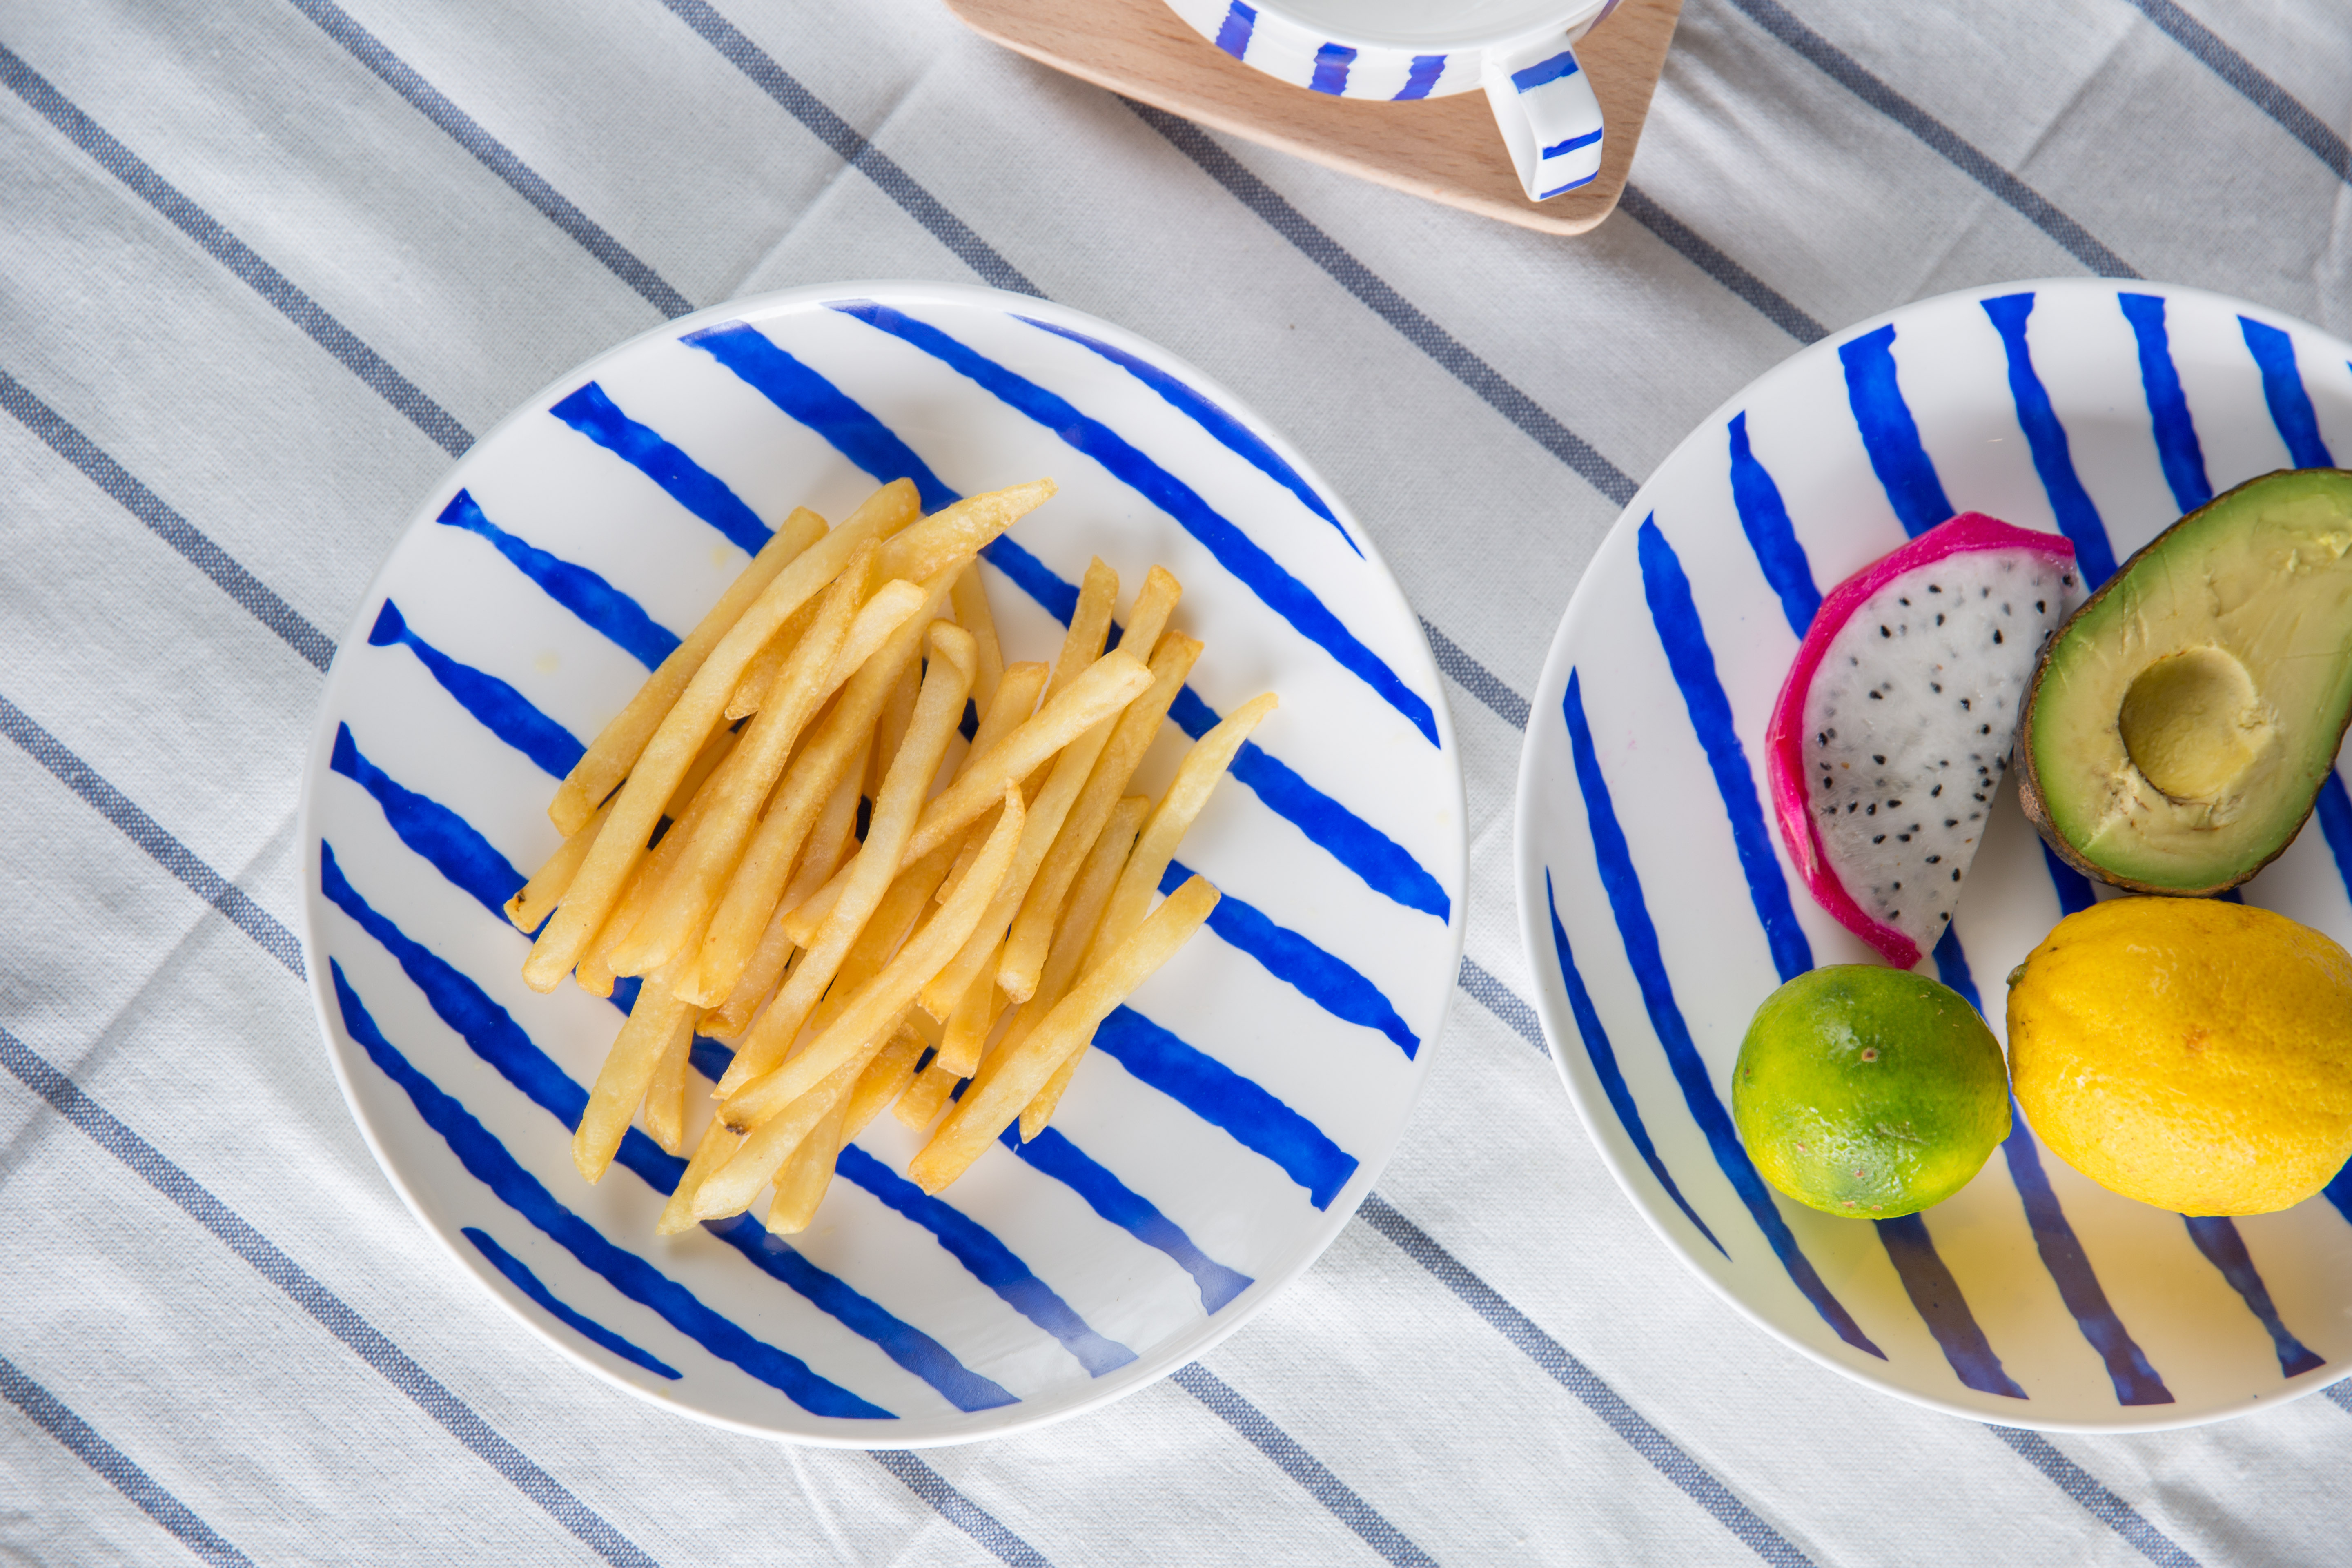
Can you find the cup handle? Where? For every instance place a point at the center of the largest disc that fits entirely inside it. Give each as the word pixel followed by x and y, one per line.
pixel 1543 106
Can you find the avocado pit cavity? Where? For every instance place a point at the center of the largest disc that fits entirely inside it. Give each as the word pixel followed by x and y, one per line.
pixel 2193 723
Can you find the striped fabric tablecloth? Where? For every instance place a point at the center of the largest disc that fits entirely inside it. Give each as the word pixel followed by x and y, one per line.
pixel 267 265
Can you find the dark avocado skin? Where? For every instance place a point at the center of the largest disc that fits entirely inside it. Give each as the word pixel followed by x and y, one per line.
pixel 2030 793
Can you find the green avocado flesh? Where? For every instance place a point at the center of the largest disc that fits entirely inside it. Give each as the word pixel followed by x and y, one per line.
pixel 2180 723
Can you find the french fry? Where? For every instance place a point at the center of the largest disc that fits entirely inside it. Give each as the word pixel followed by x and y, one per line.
pixel 1012 1076
pixel 953 532
pixel 1196 776
pixel 801 1184
pixel 1090 628
pixel 666 1092
pixel 919 1106
pixel 1106 685
pixel 969 1026
pixel 829 844
pixel 1131 737
pixel 545 890
pixel 1087 897
pixel 691 888
pixel 971 600
pixel 870 872
pixel 649 877
pixel 887 927
pixel 730 1189
pixel 1155 603
pixel 871 1014
pixel 616 749
pixel 719 1144
pixel 890 729
pixel 753 684
pixel 885 1079
pixel 657 1019
pixel 679 735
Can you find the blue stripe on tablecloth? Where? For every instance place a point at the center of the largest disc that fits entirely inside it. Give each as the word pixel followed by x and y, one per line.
pixel 587 1328
pixel 2282 389
pixel 1614 861
pixel 1323 978
pixel 487 1162
pixel 592 412
pixel 362 1337
pixel 1231 545
pixel 1946 142
pixel 491 1032
pixel 117 1468
pixel 2217 1238
pixel 447 840
pixel 1130 1210
pixel 1889 434
pixel 1234 32
pixel 1218 1094
pixel 2045 438
pixel 2178 449
pixel 1300 1465
pixel 2099 1502
pixel 1675 616
pixel 501 710
pixel 1693 1478
pixel 854 431
pixel 986 1259
pixel 2242 73
pixel 1928 1281
pixel 1770 303
pixel 493 154
pixel 2134 1380
pixel 234 254
pixel 1603 1058
pixel 583 593
pixel 194 546
pixel 1764 519
pixel 1331 63
pixel 1229 432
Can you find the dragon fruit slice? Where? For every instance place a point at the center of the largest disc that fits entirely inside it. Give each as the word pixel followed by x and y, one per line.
pixel 1895 725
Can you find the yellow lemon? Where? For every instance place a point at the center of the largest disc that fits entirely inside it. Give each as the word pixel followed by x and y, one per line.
pixel 2188 1053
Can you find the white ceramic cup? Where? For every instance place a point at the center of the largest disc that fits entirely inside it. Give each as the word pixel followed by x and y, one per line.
pixel 1520 51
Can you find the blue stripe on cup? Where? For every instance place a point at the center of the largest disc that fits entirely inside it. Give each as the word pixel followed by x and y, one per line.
pixel 1421 76
pixel 1331 63
pixel 1562 64
pixel 1234 32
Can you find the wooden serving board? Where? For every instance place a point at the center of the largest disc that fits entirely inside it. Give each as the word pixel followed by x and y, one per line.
pixel 1445 149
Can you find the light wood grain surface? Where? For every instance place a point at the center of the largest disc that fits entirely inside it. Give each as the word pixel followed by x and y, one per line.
pixel 1445 149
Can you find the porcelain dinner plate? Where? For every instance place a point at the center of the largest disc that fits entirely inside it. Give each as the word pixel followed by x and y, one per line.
pixel 1233 1115
pixel 1659 908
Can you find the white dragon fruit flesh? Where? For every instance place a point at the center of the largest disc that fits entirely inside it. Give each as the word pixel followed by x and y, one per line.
pixel 1894 728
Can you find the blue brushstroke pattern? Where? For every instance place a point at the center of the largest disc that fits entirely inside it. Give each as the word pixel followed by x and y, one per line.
pixel 2217 1238
pixel 1234 32
pixel 491 1032
pixel 1764 518
pixel 1675 615
pixel 488 1161
pixel 1231 433
pixel 576 588
pixel 596 415
pixel 1570 145
pixel 1928 1281
pixel 987 1259
pixel 1426 69
pixel 1224 1099
pixel 1115 1200
pixel 442 837
pixel 1331 63
pixel 1613 857
pixel 2072 887
pixel 854 432
pixel 1603 1056
pixel 1889 434
pixel 2334 813
pixel 1233 549
pixel 2045 438
pixel 1562 64
pixel 1321 977
pixel 2178 449
pixel 500 709
pixel 587 1328
pixel 2282 389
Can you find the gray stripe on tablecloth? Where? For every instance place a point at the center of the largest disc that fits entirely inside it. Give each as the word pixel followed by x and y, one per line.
pixel 1637 204
pixel 1946 144
pixel 494 154
pixel 175 531
pixel 2102 1505
pixel 850 146
pixel 959 1510
pixel 1300 1465
pixel 148 833
pixel 337 1317
pixel 1475 679
pixel 234 254
pixel 1384 302
pixel 116 1467
pixel 2248 78
pixel 1504 1002
pixel 1695 1479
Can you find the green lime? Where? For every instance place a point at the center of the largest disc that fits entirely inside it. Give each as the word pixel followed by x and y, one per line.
pixel 1869 1091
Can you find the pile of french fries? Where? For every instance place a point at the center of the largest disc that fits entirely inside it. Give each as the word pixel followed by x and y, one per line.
pixel 976 932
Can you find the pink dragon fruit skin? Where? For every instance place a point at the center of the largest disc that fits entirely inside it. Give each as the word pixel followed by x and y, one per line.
pixel 1914 668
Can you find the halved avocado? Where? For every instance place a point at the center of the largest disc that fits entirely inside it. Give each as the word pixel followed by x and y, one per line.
pixel 2180 723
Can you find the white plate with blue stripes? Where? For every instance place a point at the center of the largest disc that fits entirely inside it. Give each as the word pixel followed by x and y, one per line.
pixel 1659 909
pixel 1232 1115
